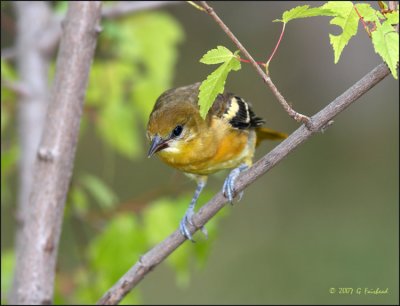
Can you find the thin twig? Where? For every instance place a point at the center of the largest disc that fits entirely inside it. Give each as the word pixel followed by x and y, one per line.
pixel 292 113
pixel 248 61
pixel 277 44
pixel 362 21
pixel 195 5
pixel 320 121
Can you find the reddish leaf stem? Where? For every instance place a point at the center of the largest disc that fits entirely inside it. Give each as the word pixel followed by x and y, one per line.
pixel 248 61
pixel 277 45
pixel 363 22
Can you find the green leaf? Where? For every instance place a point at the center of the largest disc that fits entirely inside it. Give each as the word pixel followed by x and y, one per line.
pixel 393 17
pixel 215 83
pixel 347 19
pixel 386 44
pixel 217 56
pixel 368 13
pixel 303 12
pixel 103 195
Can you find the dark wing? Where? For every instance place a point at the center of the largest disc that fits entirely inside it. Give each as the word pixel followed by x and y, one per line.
pixel 236 111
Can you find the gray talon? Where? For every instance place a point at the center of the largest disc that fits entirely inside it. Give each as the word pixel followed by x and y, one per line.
pixel 229 184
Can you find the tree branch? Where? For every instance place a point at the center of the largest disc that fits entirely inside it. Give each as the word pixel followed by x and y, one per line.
pixel 35 265
pixel 267 80
pixel 161 251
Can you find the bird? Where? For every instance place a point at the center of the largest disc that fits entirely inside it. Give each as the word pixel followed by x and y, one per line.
pixel 225 139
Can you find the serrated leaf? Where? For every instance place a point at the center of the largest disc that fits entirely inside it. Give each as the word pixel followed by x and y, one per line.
pixel 215 83
pixel 393 17
pixel 304 12
pixel 103 194
pixel 368 13
pixel 234 62
pixel 217 56
pixel 386 44
pixel 347 19
pixel 211 87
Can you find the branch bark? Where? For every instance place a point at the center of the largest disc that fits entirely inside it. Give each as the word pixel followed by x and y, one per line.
pixel 35 263
pixel 320 120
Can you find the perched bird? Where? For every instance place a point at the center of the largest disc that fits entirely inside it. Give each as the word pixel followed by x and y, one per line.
pixel 227 138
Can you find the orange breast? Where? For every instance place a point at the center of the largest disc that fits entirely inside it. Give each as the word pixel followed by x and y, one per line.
pixel 230 152
pixel 231 147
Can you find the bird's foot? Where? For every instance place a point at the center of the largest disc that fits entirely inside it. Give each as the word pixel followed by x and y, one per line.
pixel 183 226
pixel 188 219
pixel 229 185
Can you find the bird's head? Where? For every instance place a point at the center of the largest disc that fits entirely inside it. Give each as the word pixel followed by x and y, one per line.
pixel 171 128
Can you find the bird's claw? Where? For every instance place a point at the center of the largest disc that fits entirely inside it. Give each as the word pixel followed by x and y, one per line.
pixel 183 226
pixel 228 188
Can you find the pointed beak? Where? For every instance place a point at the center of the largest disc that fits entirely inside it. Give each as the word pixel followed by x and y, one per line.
pixel 157 144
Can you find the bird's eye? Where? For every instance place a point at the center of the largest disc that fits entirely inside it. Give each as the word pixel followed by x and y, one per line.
pixel 177 131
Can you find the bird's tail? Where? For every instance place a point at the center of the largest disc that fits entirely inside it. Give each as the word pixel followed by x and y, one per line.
pixel 266 133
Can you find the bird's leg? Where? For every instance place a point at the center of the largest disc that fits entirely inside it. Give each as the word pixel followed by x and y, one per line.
pixel 187 218
pixel 229 185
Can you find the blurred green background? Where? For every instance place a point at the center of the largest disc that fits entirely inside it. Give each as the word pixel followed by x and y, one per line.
pixel 325 217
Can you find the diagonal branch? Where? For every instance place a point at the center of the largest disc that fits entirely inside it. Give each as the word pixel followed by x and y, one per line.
pixel 267 80
pixel 320 120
